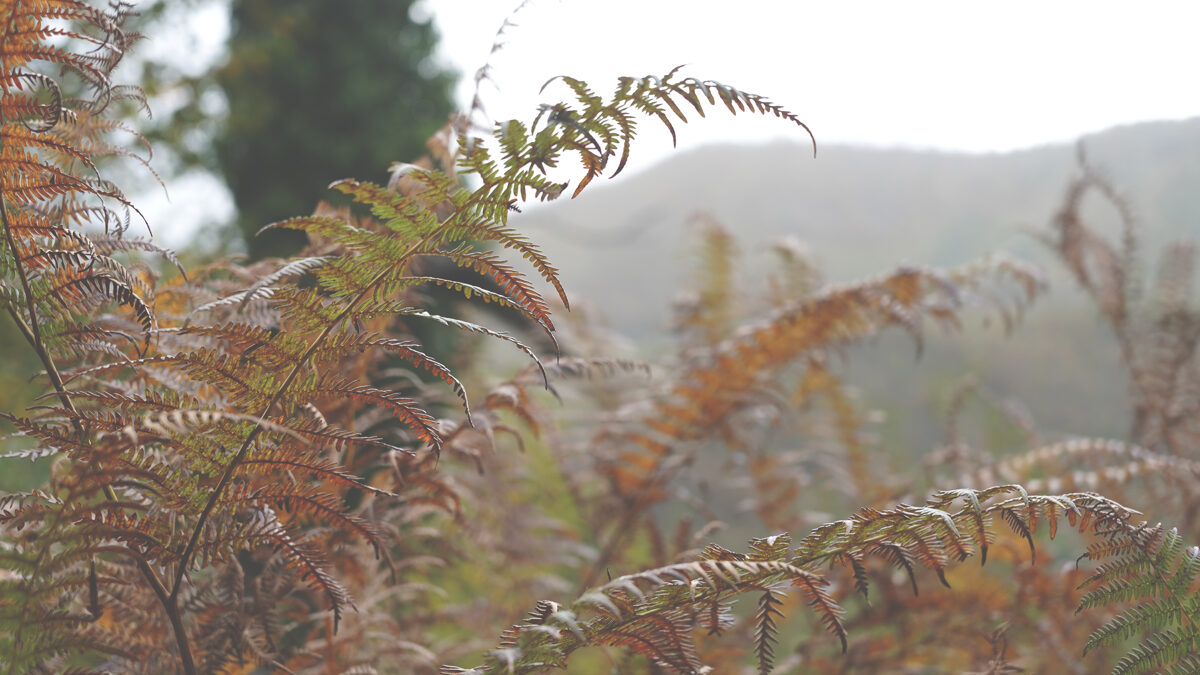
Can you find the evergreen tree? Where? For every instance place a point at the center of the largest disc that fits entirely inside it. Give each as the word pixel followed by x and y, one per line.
pixel 320 90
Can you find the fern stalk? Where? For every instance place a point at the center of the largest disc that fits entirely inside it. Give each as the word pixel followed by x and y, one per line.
pixel 31 330
pixel 32 334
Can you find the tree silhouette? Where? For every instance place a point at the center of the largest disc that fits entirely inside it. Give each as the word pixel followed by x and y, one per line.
pixel 318 91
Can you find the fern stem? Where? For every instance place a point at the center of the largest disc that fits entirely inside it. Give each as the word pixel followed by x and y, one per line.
pixel 31 330
pixel 171 606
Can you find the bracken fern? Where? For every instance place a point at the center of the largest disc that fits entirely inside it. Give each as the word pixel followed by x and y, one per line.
pixel 242 454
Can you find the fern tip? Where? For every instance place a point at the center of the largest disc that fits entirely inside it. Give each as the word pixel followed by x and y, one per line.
pixel 547 83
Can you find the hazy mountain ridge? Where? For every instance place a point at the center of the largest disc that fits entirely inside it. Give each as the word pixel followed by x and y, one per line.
pixel 862 210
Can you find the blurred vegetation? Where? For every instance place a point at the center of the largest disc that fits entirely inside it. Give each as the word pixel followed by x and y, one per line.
pixel 858 210
pixel 314 91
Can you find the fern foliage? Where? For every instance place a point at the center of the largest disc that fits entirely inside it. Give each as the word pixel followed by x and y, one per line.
pixel 1155 320
pixel 1153 572
pixel 59 284
pixel 244 415
pixel 779 361
pixel 599 130
pixel 259 466
pixel 657 611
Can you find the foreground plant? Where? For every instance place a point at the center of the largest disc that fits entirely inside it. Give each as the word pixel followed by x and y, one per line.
pixel 657 612
pixel 241 455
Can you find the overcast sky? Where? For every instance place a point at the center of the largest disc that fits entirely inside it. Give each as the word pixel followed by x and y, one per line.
pixel 946 74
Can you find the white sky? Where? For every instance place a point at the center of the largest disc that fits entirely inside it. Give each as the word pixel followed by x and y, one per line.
pixel 947 74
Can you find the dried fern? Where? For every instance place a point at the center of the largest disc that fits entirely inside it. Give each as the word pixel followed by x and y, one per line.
pixel 1156 324
pixel 246 415
pixel 654 612
pixel 784 356
pixel 258 464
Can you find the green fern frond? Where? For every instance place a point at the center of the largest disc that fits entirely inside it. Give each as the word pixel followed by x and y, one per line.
pixel 1168 651
pixel 1155 571
pixel 641 611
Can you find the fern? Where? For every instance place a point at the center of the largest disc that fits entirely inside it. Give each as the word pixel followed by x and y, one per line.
pixel 1153 570
pixel 55 280
pixel 1155 323
pixel 259 465
pixel 765 629
pixel 596 130
pixel 653 612
pixel 197 409
pixel 738 372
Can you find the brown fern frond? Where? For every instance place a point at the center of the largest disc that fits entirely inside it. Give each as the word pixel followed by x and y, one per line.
pixel 481 330
pixel 709 310
pixel 1158 334
pixel 406 350
pixel 108 245
pixel 765 629
pixel 509 281
pixel 292 461
pixel 322 435
pixel 408 411
pixel 740 371
pixel 307 500
pixel 310 564
pixel 512 239
pixel 1103 268
pixel 70 286
pixel 664 638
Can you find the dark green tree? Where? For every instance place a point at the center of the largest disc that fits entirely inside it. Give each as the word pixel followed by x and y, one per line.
pixel 320 90
pixel 317 90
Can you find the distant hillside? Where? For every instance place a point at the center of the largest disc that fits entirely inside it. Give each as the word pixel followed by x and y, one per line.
pixel 863 210
pixel 624 250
